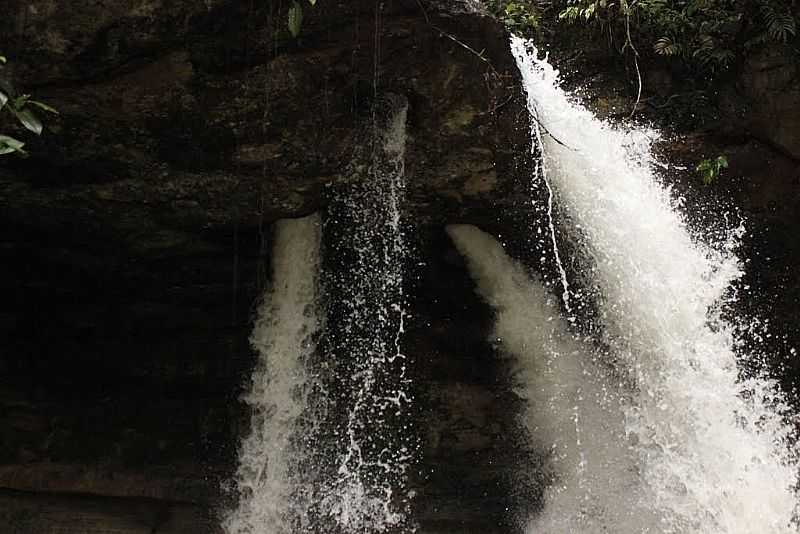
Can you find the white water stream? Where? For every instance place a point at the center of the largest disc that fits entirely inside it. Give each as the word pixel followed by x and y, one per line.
pixel 711 451
pixel 652 433
pixel 369 491
pixel 330 441
pixel 575 406
pixel 284 338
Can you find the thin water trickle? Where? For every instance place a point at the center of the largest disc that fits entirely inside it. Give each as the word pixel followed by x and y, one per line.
pixel 368 492
pixel 541 172
pixel 711 451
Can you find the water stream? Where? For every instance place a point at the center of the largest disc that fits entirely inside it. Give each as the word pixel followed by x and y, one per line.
pixel 712 452
pixel 574 403
pixel 368 490
pixel 284 339
pixel 647 427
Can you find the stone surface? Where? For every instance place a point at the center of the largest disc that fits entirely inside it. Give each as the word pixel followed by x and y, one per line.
pixel 24 513
pixel 134 242
pixel 770 82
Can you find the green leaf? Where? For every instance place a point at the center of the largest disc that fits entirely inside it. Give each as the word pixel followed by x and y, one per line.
pixel 295 19
pixel 666 47
pixel 710 169
pixel 19 102
pixel 3 99
pixel 9 145
pixel 3 60
pixel 312 2
pixel 43 106
pixel 29 120
pixel 570 14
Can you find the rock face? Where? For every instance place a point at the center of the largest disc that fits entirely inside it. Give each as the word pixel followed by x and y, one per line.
pixel 769 83
pixel 135 240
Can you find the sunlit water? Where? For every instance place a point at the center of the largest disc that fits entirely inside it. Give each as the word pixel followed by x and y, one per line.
pixel 710 450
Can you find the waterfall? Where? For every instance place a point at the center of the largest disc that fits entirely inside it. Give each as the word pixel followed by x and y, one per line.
pixel 645 428
pixel 368 490
pixel 711 450
pixel 284 339
pixel 574 405
pixel 330 443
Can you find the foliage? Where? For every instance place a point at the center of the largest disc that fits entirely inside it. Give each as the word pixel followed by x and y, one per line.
pixel 21 107
pixel 295 17
pixel 710 169
pixel 706 35
pixel 519 16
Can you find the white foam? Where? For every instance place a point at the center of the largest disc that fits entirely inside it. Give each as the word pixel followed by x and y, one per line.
pixel 369 491
pixel 574 407
pixel 283 337
pixel 712 450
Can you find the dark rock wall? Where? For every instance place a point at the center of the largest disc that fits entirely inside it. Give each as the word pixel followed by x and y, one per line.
pixel 767 98
pixel 134 242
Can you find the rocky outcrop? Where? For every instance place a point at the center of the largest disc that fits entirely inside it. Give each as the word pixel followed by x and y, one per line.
pixel 38 512
pixel 770 85
pixel 134 240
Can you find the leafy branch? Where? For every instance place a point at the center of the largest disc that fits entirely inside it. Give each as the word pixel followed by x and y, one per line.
pixel 518 16
pixel 710 169
pixel 705 35
pixel 22 108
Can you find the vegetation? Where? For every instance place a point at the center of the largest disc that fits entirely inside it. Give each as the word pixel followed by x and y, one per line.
pixel 710 169
pixel 295 17
pixel 20 107
pixel 520 17
pixel 706 36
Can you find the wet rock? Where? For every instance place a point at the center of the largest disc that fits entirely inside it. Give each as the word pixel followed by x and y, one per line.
pixel 134 242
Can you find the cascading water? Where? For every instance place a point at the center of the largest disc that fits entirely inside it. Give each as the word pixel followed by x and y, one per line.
pixel 330 443
pixel 368 490
pixel 575 406
pixel 284 338
pixel 646 430
pixel 711 452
